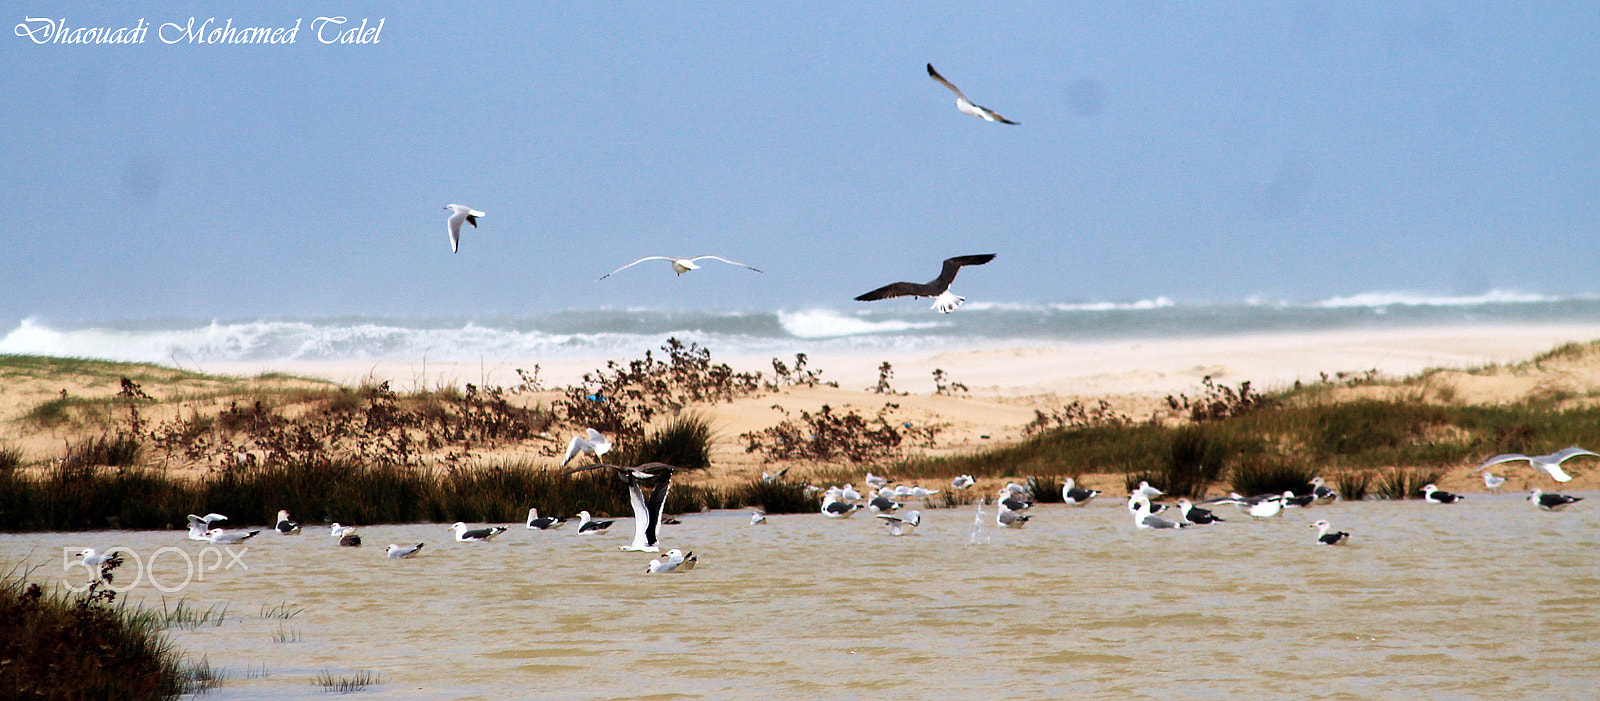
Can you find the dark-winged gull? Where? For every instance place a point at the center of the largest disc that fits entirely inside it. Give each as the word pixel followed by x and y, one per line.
pixel 965 105
pixel 1074 495
pixel 880 504
pixel 1321 492
pixel 464 534
pixel 1189 513
pixel 543 523
pixel 460 213
pixel 1139 505
pixel 1552 501
pixel 647 512
pixel 944 301
pixel 400 551
pixel 285 526
pixel 1326 538
pixel 680 265
pixel 675 561
pixel 1298 501
pixel 1434 495
pixel 586 524
pixel 591 443
pixel 1551 463
pixel 350 540
pixel 835 507
pixel 338 531
pixel 1008 500
pixel 902 525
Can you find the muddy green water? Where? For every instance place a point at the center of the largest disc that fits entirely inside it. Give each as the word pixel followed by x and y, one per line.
pixel 1489 598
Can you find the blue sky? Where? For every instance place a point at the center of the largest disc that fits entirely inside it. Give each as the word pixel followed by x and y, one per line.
pixel 1194 151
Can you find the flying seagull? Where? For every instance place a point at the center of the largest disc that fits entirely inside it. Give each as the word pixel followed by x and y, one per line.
pixel 647 512
pixel 965 105
pixel 460 213
pixel 593 443
pixel 679 265
pixel 1326 538
pixel 1549 463
pixel 939 288
pixel 1552 502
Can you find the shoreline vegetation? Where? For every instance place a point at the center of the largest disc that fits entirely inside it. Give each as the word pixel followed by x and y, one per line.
pixel 142 445
pixel 89 645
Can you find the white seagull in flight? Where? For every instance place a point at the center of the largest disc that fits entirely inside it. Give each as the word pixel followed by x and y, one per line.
pixel 594 443
pixel 679 265
pixel 939 288
pixel 965 105
pixel 460 213
pixel 1549 463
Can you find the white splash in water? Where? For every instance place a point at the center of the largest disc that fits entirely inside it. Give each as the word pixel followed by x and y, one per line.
pixel 980 533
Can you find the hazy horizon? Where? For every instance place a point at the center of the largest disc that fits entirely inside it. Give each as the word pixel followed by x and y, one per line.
pixel 1279 151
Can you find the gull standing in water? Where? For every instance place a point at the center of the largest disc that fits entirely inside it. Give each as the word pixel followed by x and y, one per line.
pixel 1552 502
pixel 587 524
pixel 1189 513
pixel 1074 495
pixel 965 105
pixel 545 523
pixel 460 213
pixel 1326 538
pixel 1321 492
pixel 285 526
pixel 464 534
pixel 676 561
pixel 1551 463
pixel 1139 505
pixel 679 265
pixel 593 443
pixel 402 551
pixel 944 301
pixel 1434 495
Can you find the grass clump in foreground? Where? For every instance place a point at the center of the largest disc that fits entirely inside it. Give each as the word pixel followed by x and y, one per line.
pixel 85 646
pixel 344 685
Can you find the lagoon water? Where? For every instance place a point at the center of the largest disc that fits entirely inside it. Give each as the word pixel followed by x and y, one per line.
pixel 1489 598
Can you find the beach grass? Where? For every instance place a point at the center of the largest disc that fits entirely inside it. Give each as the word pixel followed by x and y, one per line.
pixel 358 681
pixel 63 645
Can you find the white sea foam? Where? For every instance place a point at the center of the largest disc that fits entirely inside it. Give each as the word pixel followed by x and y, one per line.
pixel 826 323
pixel 1414 299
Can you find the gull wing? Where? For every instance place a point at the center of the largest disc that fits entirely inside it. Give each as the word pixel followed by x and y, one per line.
pixel 643 526
pixel 625 267
pixel 1561 456
pixel 897 289
pixel 935 75
pixel 947 275
pixel 1501 458
pixel 725 260
pixel 656 506
pixel 573 449
pixel 455 229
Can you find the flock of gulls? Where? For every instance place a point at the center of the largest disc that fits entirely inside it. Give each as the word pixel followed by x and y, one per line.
pixel 938 289
pixel 648 485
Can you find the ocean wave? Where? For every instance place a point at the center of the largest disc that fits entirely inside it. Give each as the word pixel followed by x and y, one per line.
pixel 826 323
pixel 1412 299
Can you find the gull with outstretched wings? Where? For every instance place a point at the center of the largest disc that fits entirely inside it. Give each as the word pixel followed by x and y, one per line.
pixel 939 288
pixel 679 265
pixel 965 105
